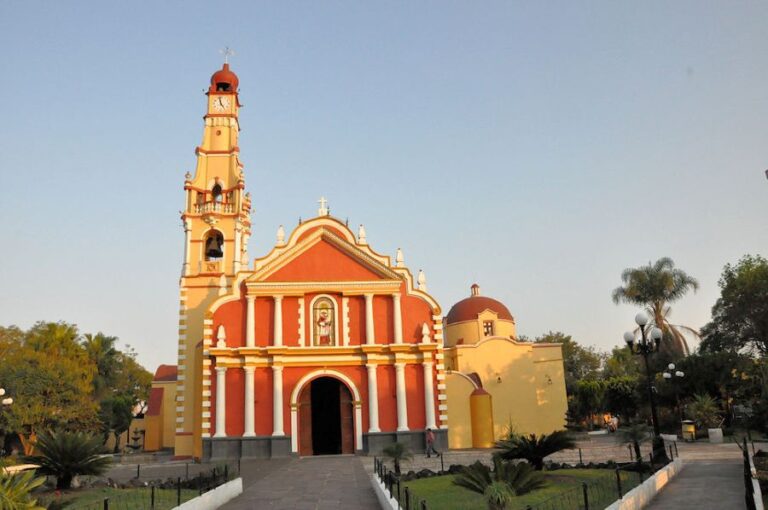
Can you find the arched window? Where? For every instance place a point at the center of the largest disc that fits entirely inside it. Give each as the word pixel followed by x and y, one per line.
pixel 216 192
pixel 323 322
pixel 214 245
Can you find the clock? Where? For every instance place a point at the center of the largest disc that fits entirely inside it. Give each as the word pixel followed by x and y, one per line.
pixel 220 104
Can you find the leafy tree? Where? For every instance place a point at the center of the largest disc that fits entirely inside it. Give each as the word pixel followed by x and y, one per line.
pixel 116 414
pixel 535 448
pixel 50 380
pixel 397 452
pixel 740 315
pixel 655 286
pixel 587 399
pixel 621 395
pixel 579 362
pixel 507 479
pixel 16 490
pixel 68 454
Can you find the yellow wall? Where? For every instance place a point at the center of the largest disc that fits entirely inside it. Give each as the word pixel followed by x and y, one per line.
pixel 458 390
pixel 168 413
pixel 525 380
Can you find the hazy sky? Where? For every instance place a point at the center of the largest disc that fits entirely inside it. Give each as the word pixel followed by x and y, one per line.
pixel 536 148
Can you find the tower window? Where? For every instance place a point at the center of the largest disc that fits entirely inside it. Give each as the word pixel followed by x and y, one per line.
pixel 214 245
pixel 487 328
pixel 216 192
pixel 222 87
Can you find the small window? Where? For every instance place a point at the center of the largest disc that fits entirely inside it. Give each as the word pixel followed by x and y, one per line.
pixel 487 328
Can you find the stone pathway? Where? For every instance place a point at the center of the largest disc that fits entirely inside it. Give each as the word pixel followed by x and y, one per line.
pixel 317 483
pixel 712 479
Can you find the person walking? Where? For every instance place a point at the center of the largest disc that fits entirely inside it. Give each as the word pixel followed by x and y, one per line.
pixel 430 440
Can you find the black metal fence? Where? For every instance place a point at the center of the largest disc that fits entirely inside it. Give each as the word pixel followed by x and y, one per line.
pixel 595 494
pixel 160 494
pixel 406 499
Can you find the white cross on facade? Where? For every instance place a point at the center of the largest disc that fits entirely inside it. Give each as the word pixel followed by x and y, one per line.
pixel 323 211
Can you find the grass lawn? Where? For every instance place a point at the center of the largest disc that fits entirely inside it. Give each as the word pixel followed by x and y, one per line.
pixel 440 492
pixel 119 499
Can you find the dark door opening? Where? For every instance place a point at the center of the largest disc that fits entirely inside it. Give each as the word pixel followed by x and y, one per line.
pixel 326 423
pixel 326 417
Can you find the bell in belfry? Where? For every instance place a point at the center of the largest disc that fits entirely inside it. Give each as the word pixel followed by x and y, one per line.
pixel 213 247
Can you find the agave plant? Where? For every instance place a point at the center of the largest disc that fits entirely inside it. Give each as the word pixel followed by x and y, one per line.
pixel 634 435
pixel 397 452
pixel 497 496
pixel 534 448
pixel 15 491
pixel 705 411
pixel 499 485
pixel 68 454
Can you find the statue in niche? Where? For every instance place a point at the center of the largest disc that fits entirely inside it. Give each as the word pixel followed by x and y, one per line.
pixel 323 322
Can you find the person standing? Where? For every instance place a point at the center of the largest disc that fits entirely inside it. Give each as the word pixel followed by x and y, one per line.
pixel 430 440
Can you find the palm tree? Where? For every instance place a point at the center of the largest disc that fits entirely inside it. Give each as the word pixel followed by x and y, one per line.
pixel 101 351
pixel 397 452
pixel 68 454
pixel 533 448
pixel 655 286
pixel 635 435
pixel 499 486
pixel 15 490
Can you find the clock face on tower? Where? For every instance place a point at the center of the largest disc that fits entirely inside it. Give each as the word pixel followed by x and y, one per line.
pixel 220 103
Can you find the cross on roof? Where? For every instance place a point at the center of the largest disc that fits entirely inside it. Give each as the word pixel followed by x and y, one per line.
pixel 227 52
pixel 323 211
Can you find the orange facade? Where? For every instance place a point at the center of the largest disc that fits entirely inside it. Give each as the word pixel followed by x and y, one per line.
pixel 322 306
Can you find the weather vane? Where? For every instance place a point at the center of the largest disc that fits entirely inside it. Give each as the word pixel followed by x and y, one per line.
pixel 227 52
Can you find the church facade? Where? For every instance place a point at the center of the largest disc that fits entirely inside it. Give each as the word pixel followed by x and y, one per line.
pixel 323 345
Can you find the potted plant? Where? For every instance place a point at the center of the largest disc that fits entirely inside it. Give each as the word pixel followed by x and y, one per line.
pixel 706 413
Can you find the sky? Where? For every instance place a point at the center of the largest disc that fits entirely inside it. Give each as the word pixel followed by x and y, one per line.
pixel 536 148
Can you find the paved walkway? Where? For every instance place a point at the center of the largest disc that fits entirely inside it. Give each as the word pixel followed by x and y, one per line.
pixel 317 483
pixel 712 479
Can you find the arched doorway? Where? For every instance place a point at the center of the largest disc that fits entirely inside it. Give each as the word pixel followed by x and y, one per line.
pixel 326 425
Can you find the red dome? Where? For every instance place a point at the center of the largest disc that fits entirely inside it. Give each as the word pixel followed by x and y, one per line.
pixel 224 80
pixel 467 309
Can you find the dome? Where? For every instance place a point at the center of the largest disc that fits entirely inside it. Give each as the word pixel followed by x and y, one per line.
pixel 467 309
pixel 224 80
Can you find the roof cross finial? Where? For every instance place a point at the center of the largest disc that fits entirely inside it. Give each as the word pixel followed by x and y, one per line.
pixel 227 52
pixel 323 211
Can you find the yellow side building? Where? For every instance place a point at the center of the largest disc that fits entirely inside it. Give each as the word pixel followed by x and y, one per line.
pixel 495 382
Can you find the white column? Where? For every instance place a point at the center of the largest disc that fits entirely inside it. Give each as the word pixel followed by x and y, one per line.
pixel 398 318
pixel 250 426
pixel 278 329
pixel 370 335
pixel 402 408
pixel 373 399
pixel 250 321
pixel 187 234
pixel 277 401
pixel 221 402
pixel 429 396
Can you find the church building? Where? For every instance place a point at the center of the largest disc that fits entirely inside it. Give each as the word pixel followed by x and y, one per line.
pixel 321 346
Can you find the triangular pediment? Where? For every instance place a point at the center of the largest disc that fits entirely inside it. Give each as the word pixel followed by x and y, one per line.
pixel 323 256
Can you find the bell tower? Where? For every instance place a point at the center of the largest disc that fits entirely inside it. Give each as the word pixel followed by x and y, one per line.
pixel 217 226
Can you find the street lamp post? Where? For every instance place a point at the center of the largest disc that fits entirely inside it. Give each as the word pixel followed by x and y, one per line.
pixel 645 347
pixel 676 375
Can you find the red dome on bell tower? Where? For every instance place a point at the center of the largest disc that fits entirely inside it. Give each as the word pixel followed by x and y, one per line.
pixel 224 80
